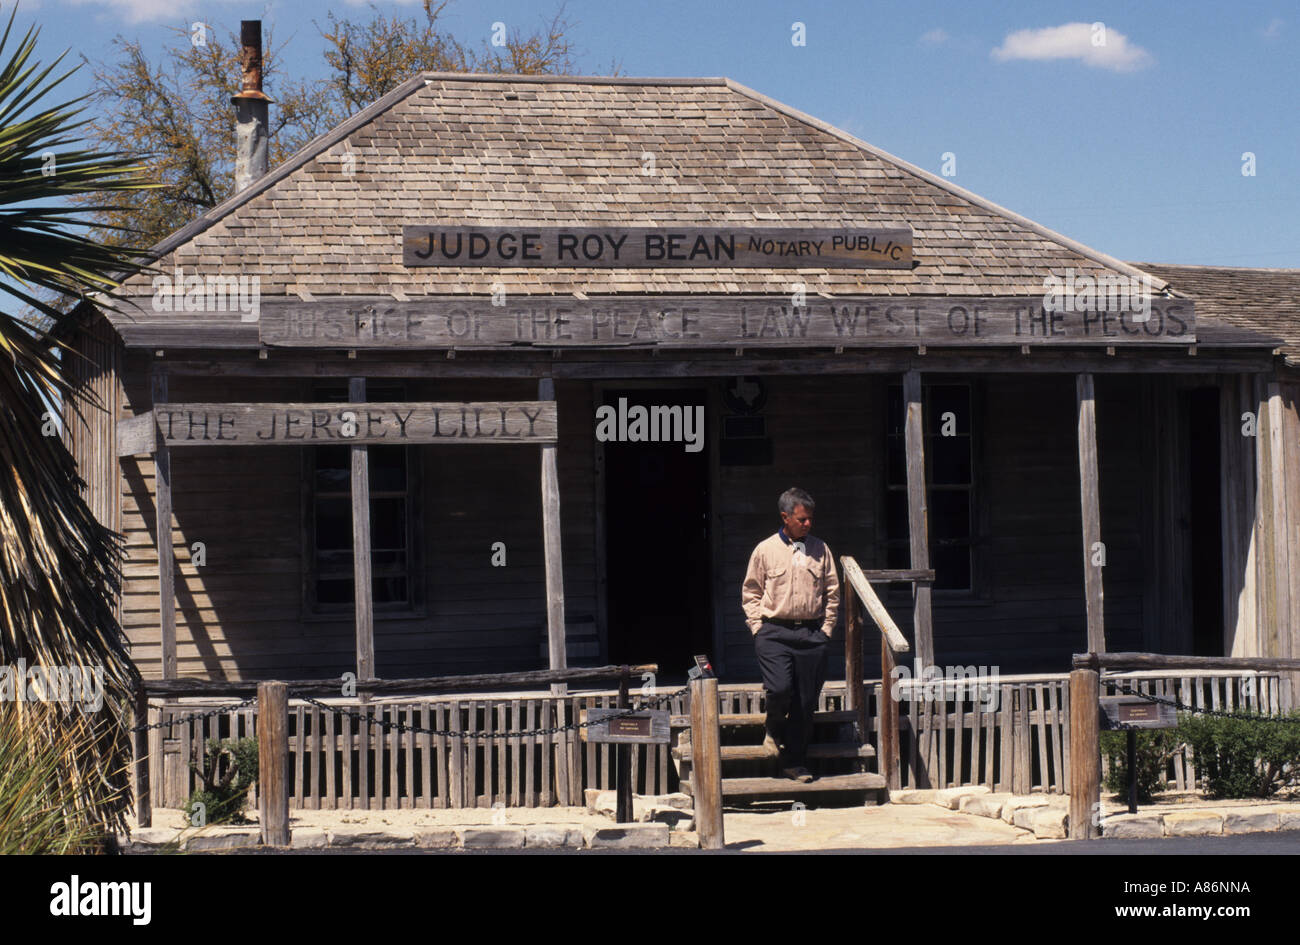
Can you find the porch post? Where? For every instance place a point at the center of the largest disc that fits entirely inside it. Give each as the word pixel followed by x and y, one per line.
pixel 1094 554
pixel 162 464
pixel 365 617
pixel 551 548
pixel 918 523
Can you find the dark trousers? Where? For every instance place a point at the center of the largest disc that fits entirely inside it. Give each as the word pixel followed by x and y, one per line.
pixel 793 663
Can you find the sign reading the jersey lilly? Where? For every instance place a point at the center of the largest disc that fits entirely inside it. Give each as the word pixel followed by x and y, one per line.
pixel 659 247
pixel 321 424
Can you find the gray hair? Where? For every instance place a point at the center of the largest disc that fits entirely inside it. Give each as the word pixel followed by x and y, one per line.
pixel 794 497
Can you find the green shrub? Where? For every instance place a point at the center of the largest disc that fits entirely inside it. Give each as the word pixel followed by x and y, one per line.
pixel 1241 757
pixel 1154 749
pixel 42 808
pixel 229 768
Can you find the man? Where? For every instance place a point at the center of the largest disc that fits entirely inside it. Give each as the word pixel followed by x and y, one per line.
pixel 791 598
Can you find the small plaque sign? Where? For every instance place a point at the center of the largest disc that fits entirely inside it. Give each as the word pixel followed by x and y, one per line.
pixel 644 726
pixel 1135 712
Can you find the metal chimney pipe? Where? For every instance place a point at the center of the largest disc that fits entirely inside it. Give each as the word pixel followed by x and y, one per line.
pixel 252 160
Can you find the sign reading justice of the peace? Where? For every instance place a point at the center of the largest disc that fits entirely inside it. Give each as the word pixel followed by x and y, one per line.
pixel 322 424
pixel 694 321
pixel 737 247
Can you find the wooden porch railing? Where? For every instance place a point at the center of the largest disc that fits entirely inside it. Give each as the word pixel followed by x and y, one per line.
pixel 892 642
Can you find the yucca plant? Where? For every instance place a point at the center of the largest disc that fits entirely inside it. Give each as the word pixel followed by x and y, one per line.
pixel 58 565
pixel 41 810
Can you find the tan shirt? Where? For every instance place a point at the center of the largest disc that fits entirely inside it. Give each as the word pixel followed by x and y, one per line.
pixel 784 584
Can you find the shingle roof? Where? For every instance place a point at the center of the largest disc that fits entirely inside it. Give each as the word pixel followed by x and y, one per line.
pixel 460 149
pixel 1239 300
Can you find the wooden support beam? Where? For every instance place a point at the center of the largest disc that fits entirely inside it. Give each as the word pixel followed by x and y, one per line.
pixel 918 526
pixel 273 762
pixel 163 533
pixel 1276 522
pixel 551 544
pixel 365 616
pixel 1089 497
pixel 706 763
pixel 1085 755
pixel 140 763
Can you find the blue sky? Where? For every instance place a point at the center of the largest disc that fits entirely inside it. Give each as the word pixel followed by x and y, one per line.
pixel 1132 145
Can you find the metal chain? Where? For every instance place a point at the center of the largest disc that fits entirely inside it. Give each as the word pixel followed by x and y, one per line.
pixel 1294 720
pixel 197 715
pixel 403 727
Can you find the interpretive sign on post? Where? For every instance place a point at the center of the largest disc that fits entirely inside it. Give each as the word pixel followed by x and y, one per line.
pixel 1134 712
pixel 647 726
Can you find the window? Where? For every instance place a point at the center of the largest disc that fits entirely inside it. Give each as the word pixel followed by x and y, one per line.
pixel 330 587
pixel 949 472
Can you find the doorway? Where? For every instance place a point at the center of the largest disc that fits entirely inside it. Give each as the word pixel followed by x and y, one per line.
pixel 656 533
pixel 1201 420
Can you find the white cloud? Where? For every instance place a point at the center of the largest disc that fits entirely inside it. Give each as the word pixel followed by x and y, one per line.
pixel 140 11
pixel 936 37
pixel 1093 44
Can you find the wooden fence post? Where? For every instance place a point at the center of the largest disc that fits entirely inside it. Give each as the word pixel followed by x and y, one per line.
pixel 273 762
pixel 143 802
pixel 1085 754
pixel 623 754
pixel 887 762
pixel 706 763
pixel 855 697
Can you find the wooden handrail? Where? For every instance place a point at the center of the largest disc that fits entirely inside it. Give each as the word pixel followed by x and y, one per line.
pixel 858 581
pixel 189 686
pixel 1173 661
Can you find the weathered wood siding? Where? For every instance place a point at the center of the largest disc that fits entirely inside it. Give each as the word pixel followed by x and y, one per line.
pixel 241 614
pixel 90 416
pixel 1028 615
pixel 827 437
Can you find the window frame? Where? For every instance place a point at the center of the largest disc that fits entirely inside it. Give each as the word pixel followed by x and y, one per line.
pixel 414 605
pixel 980 591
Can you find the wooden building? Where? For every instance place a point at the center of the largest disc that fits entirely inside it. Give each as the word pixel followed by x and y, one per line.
pixel 1076 479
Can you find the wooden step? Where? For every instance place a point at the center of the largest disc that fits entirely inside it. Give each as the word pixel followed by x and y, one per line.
pixel 759 718
pixel 758 753
pixel 782 787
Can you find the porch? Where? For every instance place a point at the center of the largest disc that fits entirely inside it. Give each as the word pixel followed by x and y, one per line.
pixel 1016 740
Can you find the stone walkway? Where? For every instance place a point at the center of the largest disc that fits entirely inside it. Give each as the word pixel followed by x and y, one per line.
pixel 969 816
pixel 1169 815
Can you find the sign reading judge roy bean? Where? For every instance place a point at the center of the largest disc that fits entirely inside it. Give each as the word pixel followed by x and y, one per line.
pixel 667 247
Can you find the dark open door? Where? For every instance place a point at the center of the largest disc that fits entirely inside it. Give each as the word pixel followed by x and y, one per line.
pixel 657 542
pixel 1201 415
